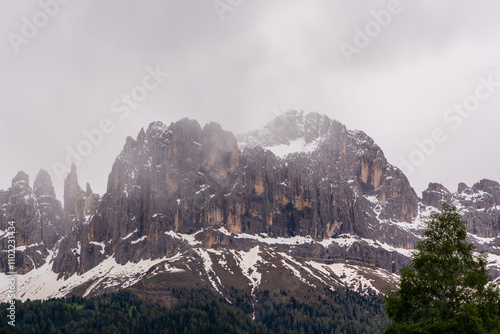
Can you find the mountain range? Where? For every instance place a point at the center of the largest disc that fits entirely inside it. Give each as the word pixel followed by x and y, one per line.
pixel 301 205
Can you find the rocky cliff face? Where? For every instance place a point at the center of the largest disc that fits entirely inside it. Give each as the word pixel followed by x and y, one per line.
pixel 352 184
pixel 304 195
pixel 37 217
pixel 479 205
pixel 79 207
pixel 185 178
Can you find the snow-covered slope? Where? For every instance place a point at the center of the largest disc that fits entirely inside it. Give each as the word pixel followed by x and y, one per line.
pixel 292 132
pixel 254 265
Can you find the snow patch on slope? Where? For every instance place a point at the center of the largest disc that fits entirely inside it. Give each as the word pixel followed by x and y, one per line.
pixel 294 270
pixel 100 244
pixel 139 240
pixel 247 261
pixel 43 283
pixel 208 266
pixel 129 235
pixel 189 238
pixel 297 240
pixel 347 240
pixel 352 275
pixel 294 146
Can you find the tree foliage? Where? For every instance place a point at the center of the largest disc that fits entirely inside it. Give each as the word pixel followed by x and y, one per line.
pixel 122 313
pixel 339 311
pixel 446 287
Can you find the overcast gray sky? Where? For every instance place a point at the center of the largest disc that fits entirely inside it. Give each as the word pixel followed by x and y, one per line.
pixel 240 63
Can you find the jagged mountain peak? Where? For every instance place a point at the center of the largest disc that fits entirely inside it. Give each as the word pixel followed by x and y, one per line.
pixel 186 126
pixel 43 184
pixel 293 128
pixel 77 202
pixel 21 180
pixel 438 187
pixel 156 130
pixel 88 189
pixel 462 187
pixel 487 185
pixel 297 131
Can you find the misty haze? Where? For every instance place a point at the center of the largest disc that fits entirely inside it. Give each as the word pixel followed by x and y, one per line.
pixel 243 166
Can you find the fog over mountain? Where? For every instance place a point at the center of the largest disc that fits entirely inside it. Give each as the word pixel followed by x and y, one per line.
pixel 303 212
pixel 395 70
pixel 303 202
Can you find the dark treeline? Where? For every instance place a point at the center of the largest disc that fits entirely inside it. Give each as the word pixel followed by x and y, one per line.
pixel 336 312
pixel 122 312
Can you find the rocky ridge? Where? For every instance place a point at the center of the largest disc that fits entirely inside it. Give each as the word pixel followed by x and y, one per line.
pixel 303 200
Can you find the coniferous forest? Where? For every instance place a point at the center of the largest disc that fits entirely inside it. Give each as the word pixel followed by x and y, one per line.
pixel 123 312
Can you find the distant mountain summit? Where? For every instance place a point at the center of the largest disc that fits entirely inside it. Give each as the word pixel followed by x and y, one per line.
pixel 302 203
pixel 291 132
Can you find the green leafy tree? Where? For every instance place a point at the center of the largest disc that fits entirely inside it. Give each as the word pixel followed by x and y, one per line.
pixel 446 287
